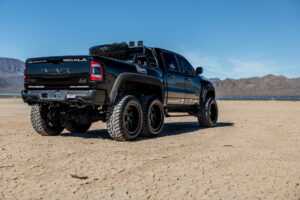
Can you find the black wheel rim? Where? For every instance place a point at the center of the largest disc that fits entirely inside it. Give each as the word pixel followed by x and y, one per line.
pixel 52 120
pixel 131 119
pixel 155 117
pixel 213 113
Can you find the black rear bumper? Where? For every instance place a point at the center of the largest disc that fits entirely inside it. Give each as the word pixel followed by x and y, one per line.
pixel 77 97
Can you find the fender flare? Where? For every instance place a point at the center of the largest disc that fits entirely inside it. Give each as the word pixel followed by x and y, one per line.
pixel 205 91
pixel 133 77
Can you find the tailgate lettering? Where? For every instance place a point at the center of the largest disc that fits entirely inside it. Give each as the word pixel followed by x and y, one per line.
pixel 56 71
pixel 74 60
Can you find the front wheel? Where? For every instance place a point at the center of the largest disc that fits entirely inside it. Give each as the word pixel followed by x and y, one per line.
pixel 208 114
pixel 45 121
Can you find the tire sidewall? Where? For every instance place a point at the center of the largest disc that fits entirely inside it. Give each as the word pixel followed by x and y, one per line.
pixel 132 102
pixel 209 104
pixel 161 126
pixel 40 124
pixel 115 50
pixel 74 127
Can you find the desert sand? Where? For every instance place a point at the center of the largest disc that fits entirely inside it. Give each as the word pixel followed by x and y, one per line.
pixel 253 153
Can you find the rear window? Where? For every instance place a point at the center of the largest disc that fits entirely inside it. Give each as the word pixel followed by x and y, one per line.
pixel 151 58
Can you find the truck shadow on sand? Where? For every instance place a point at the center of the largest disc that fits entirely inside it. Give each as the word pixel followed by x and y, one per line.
pixel 172 128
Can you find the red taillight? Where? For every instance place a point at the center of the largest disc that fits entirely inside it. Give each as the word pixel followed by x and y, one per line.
pixel 25 72
pixel 96 71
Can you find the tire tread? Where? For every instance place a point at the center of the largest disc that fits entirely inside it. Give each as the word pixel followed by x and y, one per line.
pixel 114 118
pixel 39 124
pixel 203 114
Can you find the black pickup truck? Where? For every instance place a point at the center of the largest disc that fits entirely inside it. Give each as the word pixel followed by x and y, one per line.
pixel 130 87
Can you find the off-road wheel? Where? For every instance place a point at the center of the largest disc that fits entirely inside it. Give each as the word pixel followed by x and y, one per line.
pixel 115 50
pixel 125 118
pixel 208 114
pixel 74 127
pixel 153 112
pixel 45 121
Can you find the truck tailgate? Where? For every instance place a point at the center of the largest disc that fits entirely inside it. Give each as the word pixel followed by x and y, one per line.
pixel 58 72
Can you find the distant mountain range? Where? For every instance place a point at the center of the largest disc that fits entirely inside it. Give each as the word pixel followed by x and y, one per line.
pixel 11 74
pixel 257 86
pixel 11 80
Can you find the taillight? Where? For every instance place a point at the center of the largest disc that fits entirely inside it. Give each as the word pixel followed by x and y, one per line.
pixel 25 72
pixel 96 71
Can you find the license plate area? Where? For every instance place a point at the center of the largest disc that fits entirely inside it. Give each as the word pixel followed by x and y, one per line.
pixel 71 96
pixel 55 95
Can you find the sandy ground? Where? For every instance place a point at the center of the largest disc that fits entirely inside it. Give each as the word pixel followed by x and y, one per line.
pixel 253 153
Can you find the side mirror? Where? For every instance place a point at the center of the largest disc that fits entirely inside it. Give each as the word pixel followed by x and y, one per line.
pixel 199 70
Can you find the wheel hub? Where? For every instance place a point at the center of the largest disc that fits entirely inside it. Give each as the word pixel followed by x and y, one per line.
pixel 155 117
pixel 131 119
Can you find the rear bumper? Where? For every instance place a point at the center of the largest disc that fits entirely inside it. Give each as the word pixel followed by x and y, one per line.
pixel 79 97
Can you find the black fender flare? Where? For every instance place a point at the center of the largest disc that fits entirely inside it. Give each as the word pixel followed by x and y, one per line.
pixel 133 77
pixel 205 91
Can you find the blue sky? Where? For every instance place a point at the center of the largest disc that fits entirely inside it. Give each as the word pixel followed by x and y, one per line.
pixel 230 39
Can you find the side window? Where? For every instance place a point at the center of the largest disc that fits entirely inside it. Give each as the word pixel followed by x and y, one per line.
pixel 185 65
pixel 171 63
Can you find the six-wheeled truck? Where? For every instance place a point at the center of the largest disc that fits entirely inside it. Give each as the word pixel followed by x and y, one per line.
pixel 130 87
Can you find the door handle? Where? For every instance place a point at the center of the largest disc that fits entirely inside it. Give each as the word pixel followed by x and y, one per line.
pixel 171 76
pixel 187 79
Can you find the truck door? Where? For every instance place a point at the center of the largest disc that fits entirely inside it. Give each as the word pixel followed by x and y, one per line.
pixel 175 80
pixel 192 82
